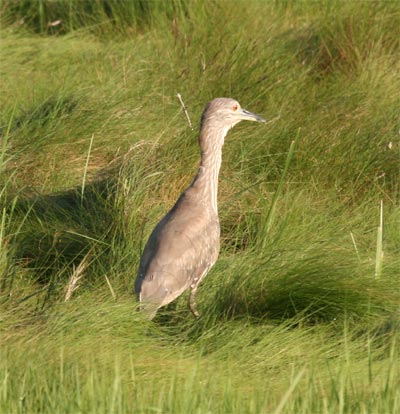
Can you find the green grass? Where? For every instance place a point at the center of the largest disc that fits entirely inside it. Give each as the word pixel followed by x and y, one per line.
pixel 301 312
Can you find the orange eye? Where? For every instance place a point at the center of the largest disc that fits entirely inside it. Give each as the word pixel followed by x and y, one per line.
pixel 235 107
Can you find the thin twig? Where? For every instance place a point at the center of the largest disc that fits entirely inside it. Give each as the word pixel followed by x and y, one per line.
pixel 185 110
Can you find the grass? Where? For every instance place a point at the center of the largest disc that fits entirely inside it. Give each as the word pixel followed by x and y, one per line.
pixel 301 312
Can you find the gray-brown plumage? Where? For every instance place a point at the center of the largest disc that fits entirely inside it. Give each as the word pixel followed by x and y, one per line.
pixel 184 245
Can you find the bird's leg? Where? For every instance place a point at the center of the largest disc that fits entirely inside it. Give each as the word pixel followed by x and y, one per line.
pixel 192 303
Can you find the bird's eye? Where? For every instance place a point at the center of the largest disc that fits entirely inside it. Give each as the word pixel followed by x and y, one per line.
pixel 235 107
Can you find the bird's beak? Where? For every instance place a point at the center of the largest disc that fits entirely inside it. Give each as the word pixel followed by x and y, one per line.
pixel 249 116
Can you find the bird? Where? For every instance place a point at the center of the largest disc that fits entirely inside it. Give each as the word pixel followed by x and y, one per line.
pixel 185 244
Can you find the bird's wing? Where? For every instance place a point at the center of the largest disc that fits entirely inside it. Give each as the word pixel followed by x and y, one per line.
pixel 180 249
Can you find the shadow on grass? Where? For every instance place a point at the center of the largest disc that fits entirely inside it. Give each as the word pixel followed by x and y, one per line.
pixel 323 288
pixel 54 232
pixel 44 113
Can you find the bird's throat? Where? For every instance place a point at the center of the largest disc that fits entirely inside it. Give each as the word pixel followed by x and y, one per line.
pixel 206 180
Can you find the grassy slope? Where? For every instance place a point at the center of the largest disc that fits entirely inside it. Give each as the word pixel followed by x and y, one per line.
pixel 293 318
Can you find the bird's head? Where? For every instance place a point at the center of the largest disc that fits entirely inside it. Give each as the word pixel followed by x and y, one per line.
pixel 226 113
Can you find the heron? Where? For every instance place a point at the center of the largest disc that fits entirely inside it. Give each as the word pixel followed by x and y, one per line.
pixel 185 244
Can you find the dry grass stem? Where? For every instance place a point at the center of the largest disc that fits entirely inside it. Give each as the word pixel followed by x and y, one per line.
pixel 76 276
pixel 185 110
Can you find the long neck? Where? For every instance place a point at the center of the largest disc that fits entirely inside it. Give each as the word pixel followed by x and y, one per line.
pixel 206 180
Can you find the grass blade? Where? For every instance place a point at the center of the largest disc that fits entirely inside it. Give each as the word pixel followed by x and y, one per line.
pixel 86 167
pixel 289 392
pixel 379 243
pixel 271 213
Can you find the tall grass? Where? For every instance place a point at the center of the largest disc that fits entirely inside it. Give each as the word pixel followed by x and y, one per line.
pixel 102 17
pixel 301 312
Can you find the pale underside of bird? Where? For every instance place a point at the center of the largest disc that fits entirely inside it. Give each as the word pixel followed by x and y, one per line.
pixel 185 244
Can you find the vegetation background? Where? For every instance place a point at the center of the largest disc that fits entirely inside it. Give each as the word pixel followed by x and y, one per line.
pixel 301 312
